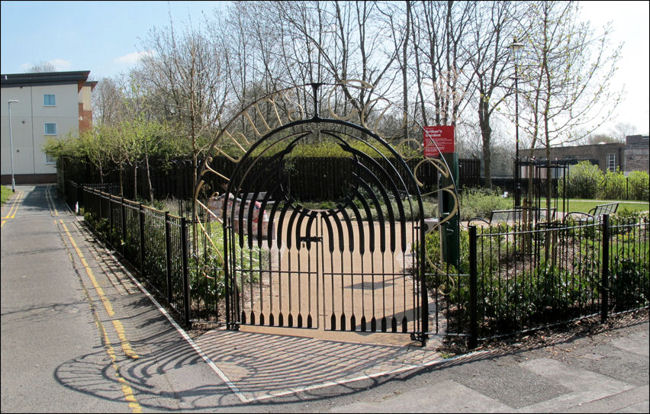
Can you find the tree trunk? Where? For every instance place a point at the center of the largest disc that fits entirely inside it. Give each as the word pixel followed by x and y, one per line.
pixel 135 182
pixel 486 134
pixel 146 164
pixel 121 181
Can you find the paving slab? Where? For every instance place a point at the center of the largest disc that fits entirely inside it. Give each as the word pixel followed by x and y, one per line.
pixel 263 366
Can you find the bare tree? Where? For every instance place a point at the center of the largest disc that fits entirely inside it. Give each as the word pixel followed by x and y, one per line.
pixel 567 70
pixel 108 101
pixel 186 73
pixel 491 63
pixel 443 74
pixel 43 67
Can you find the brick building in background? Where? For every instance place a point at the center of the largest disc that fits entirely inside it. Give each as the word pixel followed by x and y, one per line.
pixel 50 104
pixel 628 157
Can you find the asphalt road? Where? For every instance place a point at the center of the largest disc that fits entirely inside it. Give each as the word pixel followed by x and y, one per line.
pixel 79 337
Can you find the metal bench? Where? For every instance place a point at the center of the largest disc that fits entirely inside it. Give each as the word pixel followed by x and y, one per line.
pixel 601 209
pixel 594 214
pixel 514 216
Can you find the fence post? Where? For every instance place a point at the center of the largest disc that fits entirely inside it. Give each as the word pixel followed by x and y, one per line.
pixel 141 211
pixel 168 249
pixel 186 282
pixel 99 197
pixel 473 294
pixel 604 282
pixel 79 202
pixel 110 215
pixel 123 208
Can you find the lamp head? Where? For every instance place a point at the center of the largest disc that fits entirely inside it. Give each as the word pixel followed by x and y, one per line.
pixel 516 48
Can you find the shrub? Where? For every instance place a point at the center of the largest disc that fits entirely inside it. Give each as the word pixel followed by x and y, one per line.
pixel 583 181
pixel 478 202
pixel 613 186
pixel 639 186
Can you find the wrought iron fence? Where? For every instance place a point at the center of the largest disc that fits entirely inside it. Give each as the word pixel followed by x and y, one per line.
pixel 518 279
pixel 508 279
pixel 155 242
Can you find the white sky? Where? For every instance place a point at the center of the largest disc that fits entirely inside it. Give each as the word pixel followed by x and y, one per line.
pixel 630 25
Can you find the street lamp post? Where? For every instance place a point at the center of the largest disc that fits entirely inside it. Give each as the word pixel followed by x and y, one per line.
pixel 515 48
pixel 11 145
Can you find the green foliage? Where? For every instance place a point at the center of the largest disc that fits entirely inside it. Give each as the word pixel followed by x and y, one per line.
pixel 639 185
pixel 6 193
pixel 480 202
pixel 584 181
pixel 613 186
pixel 543 289
pixel 626 291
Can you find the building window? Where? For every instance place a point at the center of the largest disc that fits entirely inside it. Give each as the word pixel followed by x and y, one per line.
pixel 49 100
pixel 50 128
pixel 611 162
pixel 49 159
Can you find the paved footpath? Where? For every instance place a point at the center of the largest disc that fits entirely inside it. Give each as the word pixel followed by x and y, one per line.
pixel 80 334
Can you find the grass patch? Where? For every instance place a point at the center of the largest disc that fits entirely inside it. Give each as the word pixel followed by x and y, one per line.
pixel 584 206
pixel 6 194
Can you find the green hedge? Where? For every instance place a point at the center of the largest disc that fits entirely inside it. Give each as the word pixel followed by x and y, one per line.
pixel 586 180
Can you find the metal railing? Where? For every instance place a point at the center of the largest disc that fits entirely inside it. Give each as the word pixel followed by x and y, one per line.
pixel 523 279
pixel 510 278
pixel 155 242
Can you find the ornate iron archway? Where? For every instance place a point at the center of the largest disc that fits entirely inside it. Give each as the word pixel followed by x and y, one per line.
pixel 354 262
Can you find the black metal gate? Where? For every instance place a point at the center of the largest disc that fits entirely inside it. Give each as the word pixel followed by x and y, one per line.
pixel 353 263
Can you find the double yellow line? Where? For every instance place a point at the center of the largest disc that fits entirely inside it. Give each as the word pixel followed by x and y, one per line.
pixel 129 395
pixel 14 208
pixel 50 202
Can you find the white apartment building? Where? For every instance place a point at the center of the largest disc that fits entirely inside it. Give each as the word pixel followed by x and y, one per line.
pixel 49 104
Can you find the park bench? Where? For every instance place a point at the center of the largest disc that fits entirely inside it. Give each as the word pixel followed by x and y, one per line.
pixel 514 216
pixel 594 214
pixel 601 209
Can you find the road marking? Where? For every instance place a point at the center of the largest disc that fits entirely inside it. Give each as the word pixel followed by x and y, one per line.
pixel 184 335
pixel 119 328
pixel 50 202
pixel 14 208
pixel 108 347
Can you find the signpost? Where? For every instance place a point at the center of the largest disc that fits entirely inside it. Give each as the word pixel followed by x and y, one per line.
pixel 439 141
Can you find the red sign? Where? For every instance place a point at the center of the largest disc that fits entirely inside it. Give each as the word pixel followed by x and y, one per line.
pixel 438 139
